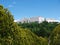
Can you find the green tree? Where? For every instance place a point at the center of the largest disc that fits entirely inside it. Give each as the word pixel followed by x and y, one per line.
pixel 55 36
pixel 43 29
pixel 7 27
pixel 12 34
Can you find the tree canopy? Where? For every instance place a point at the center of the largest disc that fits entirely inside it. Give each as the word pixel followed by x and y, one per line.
pixel 12 34
pixel 55 36
pixel 43 29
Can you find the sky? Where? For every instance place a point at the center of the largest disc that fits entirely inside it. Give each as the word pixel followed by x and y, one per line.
pixel 33 8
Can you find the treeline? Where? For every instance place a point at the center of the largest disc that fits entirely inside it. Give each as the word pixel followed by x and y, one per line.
pixel 12 33
pixel 43 29
pixel 48 30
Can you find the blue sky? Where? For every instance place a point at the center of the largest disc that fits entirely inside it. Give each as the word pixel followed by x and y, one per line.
pixel 33 8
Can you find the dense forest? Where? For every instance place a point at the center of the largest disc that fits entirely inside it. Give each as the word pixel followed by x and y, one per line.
pixel 12 33
pixel 43 29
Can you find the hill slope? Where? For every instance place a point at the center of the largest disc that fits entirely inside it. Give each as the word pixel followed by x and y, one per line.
pixel 11 34
pixel 55 36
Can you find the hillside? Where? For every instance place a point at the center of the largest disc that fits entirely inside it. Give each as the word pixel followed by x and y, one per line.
pixel 43 29
pixel 55 36
pixel 28 38
pixel 12 34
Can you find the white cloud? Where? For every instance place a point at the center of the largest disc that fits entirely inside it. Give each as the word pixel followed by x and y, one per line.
pixel 16 20
pixel 52 20
pixel 12 5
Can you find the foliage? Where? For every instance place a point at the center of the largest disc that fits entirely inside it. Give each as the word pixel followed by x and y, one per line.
pixel 55 36
pixel 43 29
pixel 28 38
pixel 8 29
pixel 11 34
